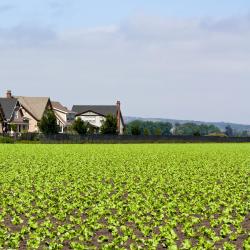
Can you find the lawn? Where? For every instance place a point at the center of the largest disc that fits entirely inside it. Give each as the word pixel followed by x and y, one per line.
pixel 168 196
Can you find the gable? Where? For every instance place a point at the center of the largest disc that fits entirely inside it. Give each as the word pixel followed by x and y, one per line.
pixel 35 106
pixel 59 107
pixel 17 115
pixel 103 110
pixel 90 113
pixel 8 106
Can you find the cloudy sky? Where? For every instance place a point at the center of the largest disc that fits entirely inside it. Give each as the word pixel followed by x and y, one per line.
pixel 183 59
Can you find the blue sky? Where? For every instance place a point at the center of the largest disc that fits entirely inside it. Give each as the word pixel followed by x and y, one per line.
pixel 80 13
pixel 178 59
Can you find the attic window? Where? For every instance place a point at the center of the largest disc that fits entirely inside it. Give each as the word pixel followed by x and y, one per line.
pixel 16 115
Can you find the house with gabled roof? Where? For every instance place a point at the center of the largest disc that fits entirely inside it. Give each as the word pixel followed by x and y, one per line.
pixel 33 109
pixel 64 116
pixel 13 116
pixel 95 115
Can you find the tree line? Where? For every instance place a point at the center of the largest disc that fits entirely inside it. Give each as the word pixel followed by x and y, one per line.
pixel 48 125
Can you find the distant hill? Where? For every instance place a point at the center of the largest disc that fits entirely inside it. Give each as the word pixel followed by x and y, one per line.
pixel 220 125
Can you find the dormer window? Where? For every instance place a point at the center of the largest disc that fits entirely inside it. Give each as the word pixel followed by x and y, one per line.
pixel 70 117
pixel 16 115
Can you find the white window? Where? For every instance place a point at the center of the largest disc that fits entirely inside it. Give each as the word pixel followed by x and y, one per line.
pixel 90 119
pixel 70 117
pixel 16 115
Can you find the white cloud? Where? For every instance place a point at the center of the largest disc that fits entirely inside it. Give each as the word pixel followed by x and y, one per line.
pixel 193 68
pixel 26 36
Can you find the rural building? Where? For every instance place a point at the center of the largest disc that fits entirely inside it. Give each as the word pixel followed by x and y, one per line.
pixel 13 115
pixel 33 109
pixel 95 114
pixel 64 116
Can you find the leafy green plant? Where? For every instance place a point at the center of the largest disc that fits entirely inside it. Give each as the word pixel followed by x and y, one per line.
pixel 124 196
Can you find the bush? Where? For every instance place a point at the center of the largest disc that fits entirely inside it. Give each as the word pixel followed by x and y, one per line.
pixel 80 126
pixel 6 139
pixel 29 137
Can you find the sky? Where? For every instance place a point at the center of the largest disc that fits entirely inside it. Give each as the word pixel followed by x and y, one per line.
pixel 180 59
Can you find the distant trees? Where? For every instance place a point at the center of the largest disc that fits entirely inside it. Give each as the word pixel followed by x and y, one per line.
pixel 135 129
pixel 157 131
pixel 195 129
pixel 80 127
pixel 148 128
pixel 109 126
pixel 146 131
pixel 229 131
pixel 244 133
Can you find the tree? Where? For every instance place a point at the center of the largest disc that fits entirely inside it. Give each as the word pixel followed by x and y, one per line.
pixel 91 129
pixel 146 131
pixel 80 126
pixel 157 131
pixel 135 129
pixel 48 124
pixel 109 126
pixel 166 128
pixel 244 133
pixel 149 126
pixel 195 129
pixel 229 130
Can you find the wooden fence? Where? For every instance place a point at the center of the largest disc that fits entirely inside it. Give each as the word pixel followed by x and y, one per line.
pixel 71 138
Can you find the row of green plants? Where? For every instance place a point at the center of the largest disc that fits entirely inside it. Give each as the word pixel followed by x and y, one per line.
pixel 125 197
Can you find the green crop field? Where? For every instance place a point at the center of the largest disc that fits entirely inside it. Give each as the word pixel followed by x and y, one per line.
pixel 193 196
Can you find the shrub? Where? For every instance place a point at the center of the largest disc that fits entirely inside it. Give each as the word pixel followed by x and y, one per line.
pixel 6 139
pixel 80 126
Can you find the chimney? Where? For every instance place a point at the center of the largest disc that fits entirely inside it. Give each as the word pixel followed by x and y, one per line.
pixel 8 94
pixel 118 106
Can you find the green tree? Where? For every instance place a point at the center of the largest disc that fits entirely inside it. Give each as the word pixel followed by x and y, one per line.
pixel 157 131
pixel 229 131
pixel 109 126
pixel 195 129
pixel 80 126
pixel 146 131
pixel 244 133
pixel 135 129
pixel 48 124
pixel 165 127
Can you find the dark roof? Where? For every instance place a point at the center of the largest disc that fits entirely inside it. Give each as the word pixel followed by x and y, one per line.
pixel 59 106
pixel 99 109
pixel 1 113
pixel 8 106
